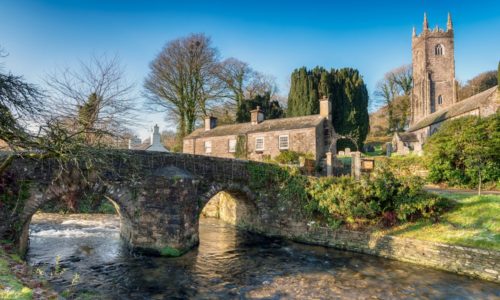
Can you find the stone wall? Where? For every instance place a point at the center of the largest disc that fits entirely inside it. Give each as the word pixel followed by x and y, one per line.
pixel 484 264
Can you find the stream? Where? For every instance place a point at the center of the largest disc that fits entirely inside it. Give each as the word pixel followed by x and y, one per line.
pixel 82 256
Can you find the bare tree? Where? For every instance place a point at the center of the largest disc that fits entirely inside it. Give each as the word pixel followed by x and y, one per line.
pixel 262 84
pixel 236 76
pixel 242 83
pixel 394 92
pixel 183 80
pixel 403 78
pixel 477 84
pixel 94 98
pixel 20 103
pixel 169 140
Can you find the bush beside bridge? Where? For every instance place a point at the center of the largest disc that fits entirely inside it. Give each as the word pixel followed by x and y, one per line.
pixel 381 199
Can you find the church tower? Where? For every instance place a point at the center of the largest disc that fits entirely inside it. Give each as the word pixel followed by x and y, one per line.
pixel 433 60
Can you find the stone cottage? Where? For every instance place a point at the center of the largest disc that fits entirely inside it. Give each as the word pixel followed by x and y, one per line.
pixel 260 138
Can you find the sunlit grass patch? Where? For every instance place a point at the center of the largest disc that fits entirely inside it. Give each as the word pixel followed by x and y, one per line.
pixel 473 222
pixel 10 286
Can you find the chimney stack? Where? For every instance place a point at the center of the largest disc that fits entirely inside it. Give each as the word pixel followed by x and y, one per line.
pixel 325 108
pixel 210 122
pixel 256 116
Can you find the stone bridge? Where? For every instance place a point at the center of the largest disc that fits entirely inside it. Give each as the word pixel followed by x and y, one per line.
pixel 159 196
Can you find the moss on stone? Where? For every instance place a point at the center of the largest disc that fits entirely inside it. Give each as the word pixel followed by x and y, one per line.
pixel 170 252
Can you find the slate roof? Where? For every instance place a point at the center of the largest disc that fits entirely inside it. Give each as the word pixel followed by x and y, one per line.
pixel 466 105
pixel 264 126
pixel 142 146
pixel 407 137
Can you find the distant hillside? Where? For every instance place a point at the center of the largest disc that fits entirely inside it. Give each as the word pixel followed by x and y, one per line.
pixel 378 122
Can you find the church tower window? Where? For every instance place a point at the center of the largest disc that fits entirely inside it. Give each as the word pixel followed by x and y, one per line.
pixel 439 50
pixel 440 99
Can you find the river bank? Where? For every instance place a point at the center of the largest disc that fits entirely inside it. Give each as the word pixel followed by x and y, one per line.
pixel 18 281
pixel 465 240
pixel 473 262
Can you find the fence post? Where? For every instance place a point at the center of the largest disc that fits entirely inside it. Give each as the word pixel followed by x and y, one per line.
pixel 356 165
pixel 329 164
pixel 388 151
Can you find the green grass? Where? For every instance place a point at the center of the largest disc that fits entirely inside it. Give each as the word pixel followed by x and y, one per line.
pixel 473 222
pixel 10 286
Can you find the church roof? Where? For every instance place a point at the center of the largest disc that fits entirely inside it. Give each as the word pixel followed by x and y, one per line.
pixel 459 108
pixel 407 137
pixel 264 126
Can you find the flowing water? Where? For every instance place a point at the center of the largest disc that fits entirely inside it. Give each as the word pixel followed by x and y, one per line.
pixel 228 264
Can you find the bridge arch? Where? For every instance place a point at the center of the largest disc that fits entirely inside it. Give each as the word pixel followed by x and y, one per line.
pixel 41 195
pixel 231 202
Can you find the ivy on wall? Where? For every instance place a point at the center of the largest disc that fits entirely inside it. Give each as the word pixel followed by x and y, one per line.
pixel 241 147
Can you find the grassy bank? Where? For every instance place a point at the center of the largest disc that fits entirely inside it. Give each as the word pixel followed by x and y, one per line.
pixel 474 222
pixel 18 280
pixel 10 286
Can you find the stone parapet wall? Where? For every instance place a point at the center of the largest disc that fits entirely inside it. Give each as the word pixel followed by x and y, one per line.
pixel 484 264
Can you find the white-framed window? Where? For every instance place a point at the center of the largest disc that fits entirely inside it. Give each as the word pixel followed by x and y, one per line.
pixel 283 143
pixel 208 146
pixel 259 144
pixel 232 146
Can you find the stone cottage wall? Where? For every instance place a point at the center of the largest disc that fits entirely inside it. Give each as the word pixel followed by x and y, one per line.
pixel 306 140
pixel 300 140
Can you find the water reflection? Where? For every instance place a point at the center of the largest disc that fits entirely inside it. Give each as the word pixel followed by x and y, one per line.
pixel 231 264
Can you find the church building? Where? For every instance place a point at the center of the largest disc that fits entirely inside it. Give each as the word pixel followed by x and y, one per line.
pixel 434 94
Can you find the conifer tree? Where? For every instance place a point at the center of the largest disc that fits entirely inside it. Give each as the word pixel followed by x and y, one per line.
pixel 345 89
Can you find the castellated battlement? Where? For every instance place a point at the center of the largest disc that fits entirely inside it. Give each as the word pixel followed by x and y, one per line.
pixel 435 33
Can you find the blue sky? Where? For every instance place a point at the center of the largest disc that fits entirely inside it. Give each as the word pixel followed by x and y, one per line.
pixel 274 37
